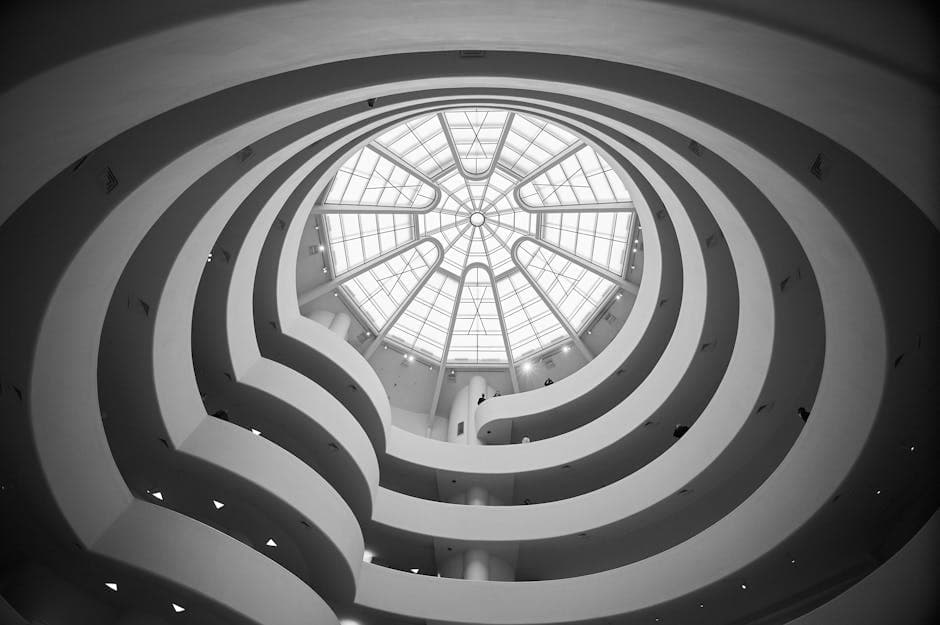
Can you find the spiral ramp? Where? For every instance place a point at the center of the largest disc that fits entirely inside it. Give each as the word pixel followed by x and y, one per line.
pixel 179 430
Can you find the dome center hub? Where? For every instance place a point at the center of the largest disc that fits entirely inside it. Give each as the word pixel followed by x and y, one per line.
pixel 477 219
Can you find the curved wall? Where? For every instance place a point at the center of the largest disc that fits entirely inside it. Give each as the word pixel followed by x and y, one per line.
pixel 788 307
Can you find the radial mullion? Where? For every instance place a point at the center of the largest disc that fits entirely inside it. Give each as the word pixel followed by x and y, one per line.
pixel 337 281
pixel 502 326
pixel 383 151
pixel 450 333
pixel 400 309
pixel 585 264
pixel 541 169
pixel 575 337
pixel 512 227
pixel 486 248
pixel 529 320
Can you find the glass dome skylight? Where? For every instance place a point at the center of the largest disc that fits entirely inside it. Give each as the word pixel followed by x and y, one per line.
pixel 477 235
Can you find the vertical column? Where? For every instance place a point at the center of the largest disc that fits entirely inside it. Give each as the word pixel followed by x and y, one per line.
pixel 336 322
pixel 477 389
pixel 323 317
pixel 340 324
pixel 477 496
pixel 463 410
pixel 459 413
pixel 476 562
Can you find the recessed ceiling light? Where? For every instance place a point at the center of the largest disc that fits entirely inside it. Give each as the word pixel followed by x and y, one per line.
pixel 589 331
pixel 878 492
pixel 743 586
pixel 111 585
pixel 218 504
pixel 324 270
pixel 619 295
pixel 912 448
pixel 321 248
pixel 411 357
pixel 701 605
pixel 178 608
pixel 527 366
pixel 256 432
pixel 566 348
pixel 271 543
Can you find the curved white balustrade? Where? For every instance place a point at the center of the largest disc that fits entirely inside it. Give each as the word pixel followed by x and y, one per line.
pixel 674 40
pixel 526 515
pixel 752 171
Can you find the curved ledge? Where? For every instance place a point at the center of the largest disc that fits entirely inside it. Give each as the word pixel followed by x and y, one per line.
pixel 157 397
pixel 191 554
pixel 869 317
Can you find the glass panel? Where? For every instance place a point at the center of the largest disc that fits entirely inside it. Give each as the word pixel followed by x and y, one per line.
pixel 477 335
pixel 476 135
pixel 424 323
pixel 368 179
pixel 582 178
pixel 355 238
pixel 530 324
pixel 576 292
pixel 421 143
pixel 599 238
pixel 532 142
pixel 381 290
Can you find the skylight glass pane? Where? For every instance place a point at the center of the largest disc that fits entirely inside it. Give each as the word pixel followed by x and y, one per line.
pixel 355 238
pixel 421 143
pixel 381 290
pixel 581 179
pixel 530 324
pixel 476 134
pixel 599 238
pixel 497 188
pixel 456 253
pixel 477 251
pixel 477 336
pixel 505 213
pixel 424 323
pixel 369 179
pixel 532 142
pixel 457 199
pixel 575 291
pixel 498 255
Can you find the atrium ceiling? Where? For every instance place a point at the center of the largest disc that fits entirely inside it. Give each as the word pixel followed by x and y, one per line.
pixel 496 313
